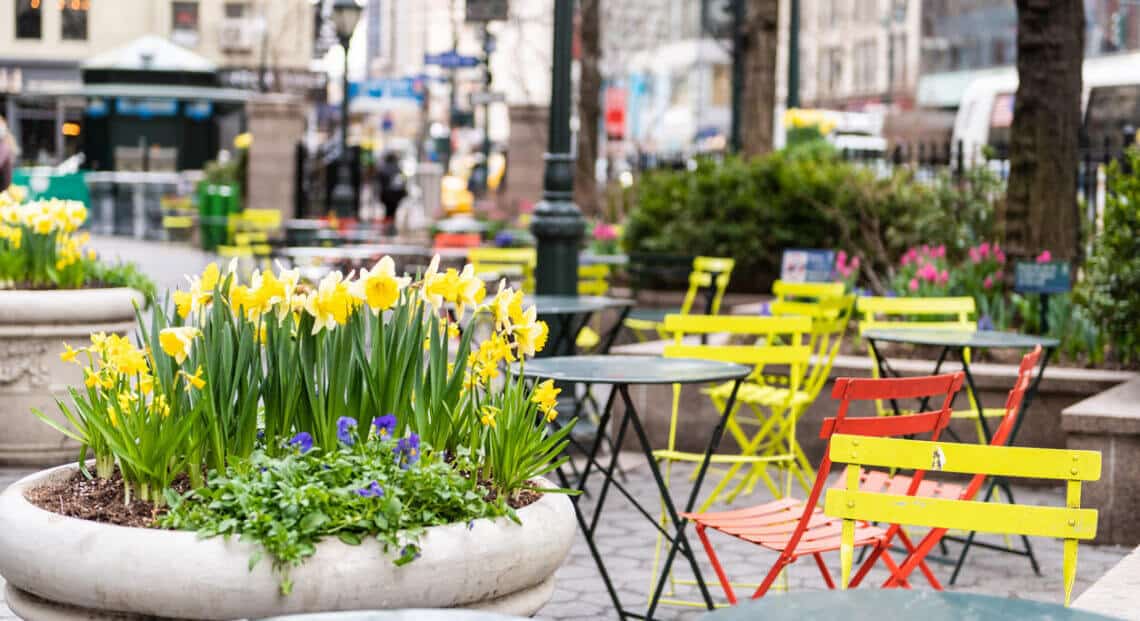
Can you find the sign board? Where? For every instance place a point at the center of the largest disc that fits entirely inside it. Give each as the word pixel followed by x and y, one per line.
pixel 615 104
pixel 146 108
pixel 482 97
pixel 451 60
pixel 388 88
pixel 1050 277
pixel 800 265
pixel 487 10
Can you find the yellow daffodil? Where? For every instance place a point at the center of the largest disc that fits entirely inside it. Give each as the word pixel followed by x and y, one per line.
pixel 429 285
pixel 530 335
pixel 130 362
pixel 161 406
pixel 194 380
pixel 470 289
pixel 113 417
pixel 379 287
pixel 183 303
pixel 330 304
pixel 146 383
pixel 177 342
pixel 243 141
pixel 487 415
pixel 69 354
pixel 546 396
pixel 91 378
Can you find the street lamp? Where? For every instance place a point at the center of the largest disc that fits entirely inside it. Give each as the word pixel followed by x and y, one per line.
pixel 558 224
pixel 345 15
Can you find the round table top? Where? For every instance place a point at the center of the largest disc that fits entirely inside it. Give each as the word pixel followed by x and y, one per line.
pixel 573 304
pixel 877 604
pixel 424 614
pixel 633 370
pixel 980 339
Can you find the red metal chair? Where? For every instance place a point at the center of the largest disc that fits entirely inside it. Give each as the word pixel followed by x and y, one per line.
pixel 933 489
pixel 795 528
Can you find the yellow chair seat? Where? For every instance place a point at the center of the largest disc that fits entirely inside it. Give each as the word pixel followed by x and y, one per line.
pixel 718 459
pixel 588 339
pixel 177 222
pixel 987 412
pixel 760 394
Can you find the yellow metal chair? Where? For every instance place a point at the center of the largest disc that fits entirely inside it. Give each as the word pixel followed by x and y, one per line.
pixel 779 429
pixel 512 264
pixel 947 313
pixel 710 276
pixel 766 391
pixel 1070 523
pixel 801 296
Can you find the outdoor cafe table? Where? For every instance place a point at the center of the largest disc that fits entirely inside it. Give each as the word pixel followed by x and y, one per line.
pixel 880 604
pixel 621 372
pixel 565 308
pixel 957 342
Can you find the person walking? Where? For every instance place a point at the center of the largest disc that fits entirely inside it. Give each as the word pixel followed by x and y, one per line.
pixel 392 186
pixel 8 154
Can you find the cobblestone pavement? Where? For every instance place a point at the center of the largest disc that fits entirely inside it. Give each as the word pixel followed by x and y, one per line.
pixel 626 541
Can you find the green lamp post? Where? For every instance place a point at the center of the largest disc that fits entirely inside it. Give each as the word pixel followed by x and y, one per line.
pixel 558 225
pixel 345 14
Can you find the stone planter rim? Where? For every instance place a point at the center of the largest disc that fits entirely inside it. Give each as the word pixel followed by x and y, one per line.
pixel 41 307
pixel 477 565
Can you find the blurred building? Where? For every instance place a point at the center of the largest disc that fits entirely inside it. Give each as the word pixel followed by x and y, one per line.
pixel 255 45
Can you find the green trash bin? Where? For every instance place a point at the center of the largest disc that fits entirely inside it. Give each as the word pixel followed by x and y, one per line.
pixel 216 202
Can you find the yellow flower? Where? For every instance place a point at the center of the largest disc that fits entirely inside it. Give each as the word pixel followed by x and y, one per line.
pixel 129 362
pixel 379 287
pixel 453 330
pixel 330 304
pixel 146 383
pixel 243 141
pixel 445 286
pixel 210 277
pixel 530 335
pixel 161 406
pixel 430 284
pixel 125 400
pixel 194 380
pixel 69 354
pixel 43 225
pixel 183 303
pixel 507 307
pixel 470 289
pixel 91 378
pixel 487 415
pixel 546 396
pixel 113 416
pixel 176 342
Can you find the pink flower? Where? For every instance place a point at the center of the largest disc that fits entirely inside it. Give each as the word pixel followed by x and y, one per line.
pixel 944 277
pixel 984 249
pixel 999 255
pixel 940 251
pixel 843 270
pixel 605 232
pixel 928 272
pixel 988 283
pixel 975 256
pixel 914 284
pixel 926 249
pixel 841 257
pixel 854 263
pixel 1045 257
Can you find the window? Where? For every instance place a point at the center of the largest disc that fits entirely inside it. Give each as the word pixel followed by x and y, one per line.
pixel 184 23
pixel 235 10
pixel 73 19
pixel 29 24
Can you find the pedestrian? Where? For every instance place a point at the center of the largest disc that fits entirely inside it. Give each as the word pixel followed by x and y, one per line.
pixel 392 187
pixel 8 154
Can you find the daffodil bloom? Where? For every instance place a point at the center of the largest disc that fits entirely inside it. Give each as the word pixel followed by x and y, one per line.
pixel 530 335
pixel 90 378
pixel 146 383
pixel 429 284
pixel 330 304
pixel 69 354
pixel 487 415
pixel 506 307
pixel 161 406
pixel 177 342
pixel 194 380
pixel 183 303
pixel 546 396
pixel 210 276
pixel 114 418
pixel 129 362
pixel 379 287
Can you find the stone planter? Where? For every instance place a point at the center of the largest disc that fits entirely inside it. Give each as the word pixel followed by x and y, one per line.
pixel 63 568
pixel 33 327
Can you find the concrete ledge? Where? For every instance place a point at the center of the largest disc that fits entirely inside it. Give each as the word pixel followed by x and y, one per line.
pixel 1116 593
pixel 1109 422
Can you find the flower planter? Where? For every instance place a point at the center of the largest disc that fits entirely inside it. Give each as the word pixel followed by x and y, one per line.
pixel 33 327
pixel 64 568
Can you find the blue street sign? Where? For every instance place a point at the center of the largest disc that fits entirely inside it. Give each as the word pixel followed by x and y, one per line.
pixel 451 60
pixel 397 88
pixel 1051 277
pixel 803 265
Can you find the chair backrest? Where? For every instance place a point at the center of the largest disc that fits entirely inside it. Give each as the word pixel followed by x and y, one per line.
pixel 710 276
pixel 1071 522
pixel 593 279
pixel 798 297
pixel 509 263
pixel 953 313
pixel 791 352
pixel 848 390
pixel 830 316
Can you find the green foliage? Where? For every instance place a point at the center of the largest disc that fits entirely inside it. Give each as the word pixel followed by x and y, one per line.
pixel 808 197
pixel 122 275
pixel 1111 287
pixel 287 504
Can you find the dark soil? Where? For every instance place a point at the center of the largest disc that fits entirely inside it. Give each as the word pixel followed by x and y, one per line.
pixel 98 500
pixel 103 500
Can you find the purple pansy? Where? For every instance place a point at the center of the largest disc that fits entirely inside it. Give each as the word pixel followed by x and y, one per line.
pixel 372 490
pixel 408 450
pixel 302 441
pixel 385 426
pixel 344 427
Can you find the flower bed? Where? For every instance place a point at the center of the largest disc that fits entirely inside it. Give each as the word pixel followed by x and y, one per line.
pixel 290 415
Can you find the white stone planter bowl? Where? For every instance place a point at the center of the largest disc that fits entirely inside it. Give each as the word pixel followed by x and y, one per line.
pixel 78 569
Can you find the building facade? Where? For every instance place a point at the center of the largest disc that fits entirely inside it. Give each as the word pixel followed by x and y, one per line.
pixel 257 44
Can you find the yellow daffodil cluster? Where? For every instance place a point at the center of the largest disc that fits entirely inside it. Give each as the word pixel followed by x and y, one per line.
pixel 824 120
pixel 44 217
pixel 45 229
pixel 517 334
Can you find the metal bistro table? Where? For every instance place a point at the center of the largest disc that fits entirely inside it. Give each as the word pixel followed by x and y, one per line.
pixel 957 342
pixel 565 308
pixel 621 372
pixel 877 604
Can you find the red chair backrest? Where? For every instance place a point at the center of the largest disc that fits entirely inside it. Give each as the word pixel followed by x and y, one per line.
pixel 860 389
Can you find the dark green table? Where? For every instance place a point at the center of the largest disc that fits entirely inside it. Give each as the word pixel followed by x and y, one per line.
pixel 572 313
pixel 958 342
pixel 902 604
pixel 621 372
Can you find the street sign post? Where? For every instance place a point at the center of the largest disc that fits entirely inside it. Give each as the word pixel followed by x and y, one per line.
pixel 451 60
pixel 1045 278
pixel 803 265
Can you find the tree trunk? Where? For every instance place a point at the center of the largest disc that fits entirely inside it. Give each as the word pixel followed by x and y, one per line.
pixel 1041 199
pixel 761 24
pixel 589 107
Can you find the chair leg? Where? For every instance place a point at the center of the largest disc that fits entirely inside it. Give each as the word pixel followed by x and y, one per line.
pixel 773 573
pixel 824 571
pixel 930 577
pixel 715 561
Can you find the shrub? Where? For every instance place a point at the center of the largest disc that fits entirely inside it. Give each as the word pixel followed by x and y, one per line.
pixel 1111 287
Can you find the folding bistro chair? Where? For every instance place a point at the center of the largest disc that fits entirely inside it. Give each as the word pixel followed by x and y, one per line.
pixel 709 278
pixel 767 390
pixel 947 313
pixel 495 263
pixel 853 505
pixel 793 294
pixel 795 528
pixel 792 353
